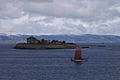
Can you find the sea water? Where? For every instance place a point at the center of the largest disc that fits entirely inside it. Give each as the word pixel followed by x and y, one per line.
pixel 17 64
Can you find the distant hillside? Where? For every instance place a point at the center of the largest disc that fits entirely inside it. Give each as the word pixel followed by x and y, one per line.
pixel 87 38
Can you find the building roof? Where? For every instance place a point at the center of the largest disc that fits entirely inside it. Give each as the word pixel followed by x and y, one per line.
pixel 31 37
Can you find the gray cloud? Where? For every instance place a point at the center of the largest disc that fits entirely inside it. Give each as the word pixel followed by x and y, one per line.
pixel 11 9
pixel 38 1
pixel 60 16
pixel 86 10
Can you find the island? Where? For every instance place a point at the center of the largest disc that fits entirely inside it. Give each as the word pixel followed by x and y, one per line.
pixel 33 43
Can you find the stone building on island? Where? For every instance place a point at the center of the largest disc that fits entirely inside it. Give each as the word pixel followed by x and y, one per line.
pixel 33 40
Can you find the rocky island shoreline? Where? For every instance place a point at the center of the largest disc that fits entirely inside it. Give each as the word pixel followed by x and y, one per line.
pixel 33 43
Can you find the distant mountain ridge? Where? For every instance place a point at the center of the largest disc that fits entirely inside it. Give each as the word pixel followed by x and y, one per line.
pixel 87 38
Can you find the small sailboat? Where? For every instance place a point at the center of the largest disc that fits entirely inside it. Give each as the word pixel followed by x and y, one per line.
pixel 78 56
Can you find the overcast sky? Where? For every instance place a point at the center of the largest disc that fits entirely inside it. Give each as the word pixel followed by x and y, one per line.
pixel 60 17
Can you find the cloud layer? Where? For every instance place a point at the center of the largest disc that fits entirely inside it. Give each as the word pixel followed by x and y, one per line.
pixel 60 17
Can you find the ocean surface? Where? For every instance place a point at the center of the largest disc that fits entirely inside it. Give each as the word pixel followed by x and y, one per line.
pixel 103 64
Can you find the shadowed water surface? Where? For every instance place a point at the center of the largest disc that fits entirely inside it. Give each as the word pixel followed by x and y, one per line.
pixel 15 64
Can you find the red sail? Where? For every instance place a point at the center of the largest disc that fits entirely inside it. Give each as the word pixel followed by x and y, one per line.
pixel 78 54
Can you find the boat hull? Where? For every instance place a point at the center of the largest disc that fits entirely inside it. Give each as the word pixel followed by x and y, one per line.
pixel 79 60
